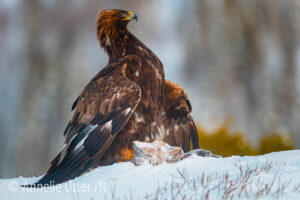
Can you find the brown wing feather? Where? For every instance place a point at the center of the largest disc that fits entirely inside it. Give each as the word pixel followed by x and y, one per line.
pixel 102 109
pixel 178 122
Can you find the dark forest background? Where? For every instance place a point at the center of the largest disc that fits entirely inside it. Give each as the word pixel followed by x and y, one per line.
pixel 236 59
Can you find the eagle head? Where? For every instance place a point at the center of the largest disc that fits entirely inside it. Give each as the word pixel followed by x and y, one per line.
pixel 111 24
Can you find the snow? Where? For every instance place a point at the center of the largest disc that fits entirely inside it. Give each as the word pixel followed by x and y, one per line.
pixel 270 176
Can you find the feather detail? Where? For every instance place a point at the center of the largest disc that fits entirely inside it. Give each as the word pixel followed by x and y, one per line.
pixel 177 122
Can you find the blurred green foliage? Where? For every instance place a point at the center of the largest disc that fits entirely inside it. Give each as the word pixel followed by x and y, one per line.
pixel 227 142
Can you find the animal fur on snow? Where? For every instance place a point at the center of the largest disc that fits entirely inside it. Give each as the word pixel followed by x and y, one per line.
pixel 158 152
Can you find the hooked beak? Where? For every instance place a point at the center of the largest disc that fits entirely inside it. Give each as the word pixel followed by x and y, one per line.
pixel 131 16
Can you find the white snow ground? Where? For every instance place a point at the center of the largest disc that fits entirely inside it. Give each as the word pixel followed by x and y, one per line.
pixel 271 176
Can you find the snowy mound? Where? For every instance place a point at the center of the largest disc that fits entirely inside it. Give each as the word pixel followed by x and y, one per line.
pixel 271 176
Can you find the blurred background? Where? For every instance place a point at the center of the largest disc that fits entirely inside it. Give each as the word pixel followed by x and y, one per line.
pixel 239 62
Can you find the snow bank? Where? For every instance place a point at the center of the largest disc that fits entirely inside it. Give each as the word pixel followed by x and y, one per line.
pixel 271 176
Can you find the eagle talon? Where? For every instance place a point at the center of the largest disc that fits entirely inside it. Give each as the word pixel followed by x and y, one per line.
pixel 126 154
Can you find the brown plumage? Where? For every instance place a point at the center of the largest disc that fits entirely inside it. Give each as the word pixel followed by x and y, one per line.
pixel 177 122
pixel 127 100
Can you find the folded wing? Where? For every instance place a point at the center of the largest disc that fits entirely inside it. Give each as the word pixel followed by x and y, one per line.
pixel 102 109
pixel 178 122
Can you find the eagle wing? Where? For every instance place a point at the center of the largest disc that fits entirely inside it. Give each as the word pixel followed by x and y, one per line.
pixel 102 109
pixel 178 122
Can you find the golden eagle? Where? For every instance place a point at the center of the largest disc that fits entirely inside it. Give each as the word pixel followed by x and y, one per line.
pixel 127 100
